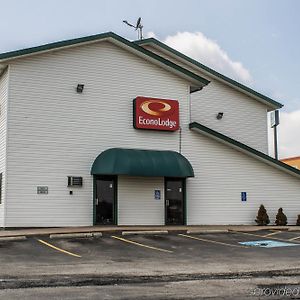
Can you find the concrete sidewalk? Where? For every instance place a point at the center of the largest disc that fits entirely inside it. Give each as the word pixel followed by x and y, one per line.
pixel 119 229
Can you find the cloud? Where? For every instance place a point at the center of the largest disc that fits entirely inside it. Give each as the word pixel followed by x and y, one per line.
pixel 288 130
pixel 288 133
pixel 208 52
pixel 150 34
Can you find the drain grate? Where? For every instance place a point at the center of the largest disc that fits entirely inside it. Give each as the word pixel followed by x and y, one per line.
pixel 268 244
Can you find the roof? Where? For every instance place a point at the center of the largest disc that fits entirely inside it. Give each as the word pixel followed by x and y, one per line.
pixel 244 148
pixel 136 162
pixel 250 92
pixel 291 158
pixel 190 76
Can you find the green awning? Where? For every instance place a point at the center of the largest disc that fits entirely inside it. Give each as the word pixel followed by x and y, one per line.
pixel 148 163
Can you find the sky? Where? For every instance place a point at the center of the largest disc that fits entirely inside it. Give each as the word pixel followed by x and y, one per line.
pixel 255 42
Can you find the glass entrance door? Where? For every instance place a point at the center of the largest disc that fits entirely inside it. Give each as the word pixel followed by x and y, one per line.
pixel 174 198
pixel 105 200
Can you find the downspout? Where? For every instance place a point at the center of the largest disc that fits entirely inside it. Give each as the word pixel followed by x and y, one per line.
pixel 190 106
pixel 180 139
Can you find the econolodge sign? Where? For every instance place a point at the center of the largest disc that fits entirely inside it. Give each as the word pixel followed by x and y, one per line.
pixel 155 114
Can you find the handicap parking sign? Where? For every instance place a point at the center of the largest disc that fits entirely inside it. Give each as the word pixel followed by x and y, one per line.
pixel 244 196
pixel 157 194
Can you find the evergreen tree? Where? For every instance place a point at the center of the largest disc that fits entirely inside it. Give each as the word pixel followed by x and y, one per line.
pixel 262 217
pixel 281 219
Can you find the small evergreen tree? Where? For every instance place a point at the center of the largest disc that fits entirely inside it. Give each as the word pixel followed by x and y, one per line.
pixel 262 217
pixel 298 221
pixel 281 219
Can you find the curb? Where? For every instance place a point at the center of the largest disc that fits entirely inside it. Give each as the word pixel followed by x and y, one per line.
pixel 13 238
pixel 207 231
pixel 258 228
pixel 141 232
pixel 75 235
pixel 296 228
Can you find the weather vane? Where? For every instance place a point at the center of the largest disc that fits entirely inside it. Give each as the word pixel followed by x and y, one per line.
pixel 138 27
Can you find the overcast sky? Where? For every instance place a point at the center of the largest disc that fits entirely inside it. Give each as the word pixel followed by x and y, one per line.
pixel 256 42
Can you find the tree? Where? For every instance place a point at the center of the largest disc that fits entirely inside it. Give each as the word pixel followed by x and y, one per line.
pixel 298 221
pixel 262 217
pixel 281 219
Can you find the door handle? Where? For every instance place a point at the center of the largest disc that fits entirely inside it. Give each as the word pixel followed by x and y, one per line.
pixel 97 201
pixel 167 203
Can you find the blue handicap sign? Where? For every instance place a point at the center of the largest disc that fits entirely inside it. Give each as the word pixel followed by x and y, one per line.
pixel 157 195
pixel 244 196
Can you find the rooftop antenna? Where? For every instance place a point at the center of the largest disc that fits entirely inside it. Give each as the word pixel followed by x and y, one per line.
pixel 138 27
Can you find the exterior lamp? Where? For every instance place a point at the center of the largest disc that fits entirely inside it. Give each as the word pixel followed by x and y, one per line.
pixel 79 88
pixel 220 115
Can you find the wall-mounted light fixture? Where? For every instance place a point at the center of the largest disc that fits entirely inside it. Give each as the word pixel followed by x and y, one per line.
pixel 220 115
pixel 80 88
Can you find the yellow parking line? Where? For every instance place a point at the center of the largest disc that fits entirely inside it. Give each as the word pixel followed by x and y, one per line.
pixel 58 249
pixel 257 235
pixel 211 241
pixel 139 244
pixel 272 233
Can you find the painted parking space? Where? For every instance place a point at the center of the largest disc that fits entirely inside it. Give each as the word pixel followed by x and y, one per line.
pixel 283 236
pixel 114 248
pixel 57 248
pixel 129 241
pixel 223 239
pixel 280 234
pixel 190 244
pixel 210 240
pixel 196 246
pixel 268 244
pixel 30 253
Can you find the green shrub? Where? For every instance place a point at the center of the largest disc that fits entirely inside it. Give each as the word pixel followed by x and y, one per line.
pixel 281 219
pixel 262 217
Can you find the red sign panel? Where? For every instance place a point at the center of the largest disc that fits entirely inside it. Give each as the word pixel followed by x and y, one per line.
pixel 155 114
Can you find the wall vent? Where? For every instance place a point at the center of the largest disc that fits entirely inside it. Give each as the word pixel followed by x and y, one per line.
pixel 74 181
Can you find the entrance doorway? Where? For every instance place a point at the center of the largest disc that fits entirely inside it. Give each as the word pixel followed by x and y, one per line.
pixel 174 201
pixel 105 200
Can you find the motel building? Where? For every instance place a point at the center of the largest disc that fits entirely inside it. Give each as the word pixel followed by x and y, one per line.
pixel 100 130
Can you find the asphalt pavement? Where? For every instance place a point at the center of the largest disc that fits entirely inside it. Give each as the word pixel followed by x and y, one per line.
pixel 156 260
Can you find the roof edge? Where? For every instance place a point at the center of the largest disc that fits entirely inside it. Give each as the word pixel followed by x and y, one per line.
pixel 244 147
pixel 98 37
pixel 274 104
pixel 54 45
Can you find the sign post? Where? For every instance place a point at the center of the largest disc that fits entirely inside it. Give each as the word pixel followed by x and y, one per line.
pixel 274 124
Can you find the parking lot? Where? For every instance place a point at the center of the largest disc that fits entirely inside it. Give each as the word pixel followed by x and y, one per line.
pixel 150 254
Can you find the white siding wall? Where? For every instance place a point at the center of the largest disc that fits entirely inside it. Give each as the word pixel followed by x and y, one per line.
pixel 245 119
pixel 55 132
pixel 3 109
pixel 136 203
pixel 222 173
